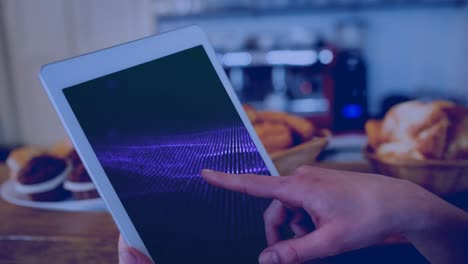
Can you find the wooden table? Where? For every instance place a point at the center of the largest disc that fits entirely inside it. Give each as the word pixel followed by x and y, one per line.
pixel 36 236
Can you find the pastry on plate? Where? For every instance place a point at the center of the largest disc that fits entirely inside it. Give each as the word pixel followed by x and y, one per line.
pixel 19 157
pixel 80 185
pixel 62 148
pixel 74 158
pixel 42 178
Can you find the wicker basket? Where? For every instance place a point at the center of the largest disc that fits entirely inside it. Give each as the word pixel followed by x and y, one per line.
pixel 306 153
pixel 438 176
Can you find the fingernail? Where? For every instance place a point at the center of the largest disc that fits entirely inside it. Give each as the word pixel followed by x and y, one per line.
pixel 207 171
pixel 126 256
pixel 269 257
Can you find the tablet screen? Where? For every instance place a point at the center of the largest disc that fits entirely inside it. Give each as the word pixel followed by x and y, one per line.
pixel 153 128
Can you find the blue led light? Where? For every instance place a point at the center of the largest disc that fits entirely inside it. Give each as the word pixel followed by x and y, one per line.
pixel 352 111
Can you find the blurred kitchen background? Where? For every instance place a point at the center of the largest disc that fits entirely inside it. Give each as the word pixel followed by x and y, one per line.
pixel 336 62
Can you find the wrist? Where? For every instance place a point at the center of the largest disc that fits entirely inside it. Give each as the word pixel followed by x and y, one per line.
pixel 411 209
pixel 439 230
pixel 427 212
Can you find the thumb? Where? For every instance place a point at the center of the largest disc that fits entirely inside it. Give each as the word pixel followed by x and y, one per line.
pixel 133 256
pixel 129 255
pixel 321 243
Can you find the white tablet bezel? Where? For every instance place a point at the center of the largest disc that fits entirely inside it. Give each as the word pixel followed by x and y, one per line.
pixel 57 76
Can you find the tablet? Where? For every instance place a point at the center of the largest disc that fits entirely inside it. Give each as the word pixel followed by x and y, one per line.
pixel 146 117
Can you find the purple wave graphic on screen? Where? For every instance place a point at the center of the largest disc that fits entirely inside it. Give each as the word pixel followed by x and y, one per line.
pixel 163 174
pixel 160 159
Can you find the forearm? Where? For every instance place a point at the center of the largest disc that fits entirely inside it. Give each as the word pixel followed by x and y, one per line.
pixel 444 235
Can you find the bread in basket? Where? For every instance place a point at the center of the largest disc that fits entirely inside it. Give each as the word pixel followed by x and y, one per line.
pixel 426 143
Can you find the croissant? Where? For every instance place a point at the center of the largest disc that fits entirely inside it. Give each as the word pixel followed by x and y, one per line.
pixel 418 130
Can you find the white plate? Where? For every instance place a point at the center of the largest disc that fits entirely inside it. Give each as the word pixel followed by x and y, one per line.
pixel 9 194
